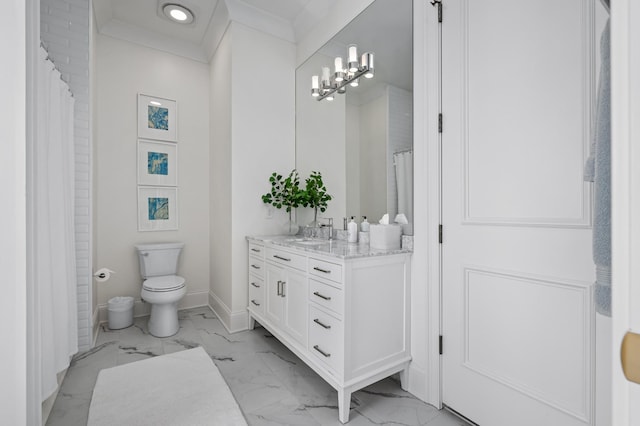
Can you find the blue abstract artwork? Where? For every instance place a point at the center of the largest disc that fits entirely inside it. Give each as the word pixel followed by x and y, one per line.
pixel 158 118
pixel 158 163
pixel 158 208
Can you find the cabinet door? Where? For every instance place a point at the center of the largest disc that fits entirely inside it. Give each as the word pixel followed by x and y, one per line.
pixel 275 302
pixel 295 309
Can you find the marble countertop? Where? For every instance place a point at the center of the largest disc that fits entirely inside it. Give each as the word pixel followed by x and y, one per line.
pixel 333 248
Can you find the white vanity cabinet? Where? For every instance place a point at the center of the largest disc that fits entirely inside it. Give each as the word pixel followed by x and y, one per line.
pixel 345 314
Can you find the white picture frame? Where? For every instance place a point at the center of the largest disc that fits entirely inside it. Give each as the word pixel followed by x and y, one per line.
pixel 157 208
pixel 157 118
pixel 157 163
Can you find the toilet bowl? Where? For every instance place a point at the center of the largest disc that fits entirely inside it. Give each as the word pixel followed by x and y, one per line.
pixel 162 288
pixel 163 293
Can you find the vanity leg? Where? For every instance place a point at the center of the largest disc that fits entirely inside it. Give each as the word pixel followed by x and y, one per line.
pixel 404 379
pixel 252 323
pixel 344 404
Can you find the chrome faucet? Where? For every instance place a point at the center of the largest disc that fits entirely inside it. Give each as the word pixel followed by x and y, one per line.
pixel 330 225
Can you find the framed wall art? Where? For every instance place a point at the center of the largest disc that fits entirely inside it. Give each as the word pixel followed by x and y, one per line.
pixel 157 118
pixel 157 163
pixel 157 208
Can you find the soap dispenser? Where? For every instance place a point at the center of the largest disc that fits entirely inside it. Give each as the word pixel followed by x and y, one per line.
pixel 352 231
pixel 364 226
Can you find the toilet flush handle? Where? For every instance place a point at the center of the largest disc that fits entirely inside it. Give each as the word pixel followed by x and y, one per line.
pixel 145 254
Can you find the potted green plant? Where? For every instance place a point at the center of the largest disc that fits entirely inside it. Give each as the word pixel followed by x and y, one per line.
pixel 315 195
pixel 285 192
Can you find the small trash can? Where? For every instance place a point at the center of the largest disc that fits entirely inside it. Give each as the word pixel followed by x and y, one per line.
pixel 120 312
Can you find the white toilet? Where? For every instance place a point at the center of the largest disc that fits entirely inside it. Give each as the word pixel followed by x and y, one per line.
pixel 162 288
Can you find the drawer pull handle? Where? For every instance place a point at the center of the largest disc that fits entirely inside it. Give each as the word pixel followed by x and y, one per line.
pixel 324 271
pixel 256 250
pixel 282 292
pixel 325 326
pixel 321 296
pixel 325 354
pixel 255 303
pixel 254 266
pixel 281 258
pixel 255 285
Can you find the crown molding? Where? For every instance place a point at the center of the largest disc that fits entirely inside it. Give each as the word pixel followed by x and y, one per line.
pixel 260 20
pixel 123 31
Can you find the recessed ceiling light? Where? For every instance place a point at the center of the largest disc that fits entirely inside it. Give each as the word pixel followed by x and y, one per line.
pixel 178 13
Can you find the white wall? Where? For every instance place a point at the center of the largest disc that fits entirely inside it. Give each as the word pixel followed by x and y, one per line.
pixel 221 189
pixel 259 72
pixel 13 313
pixel 263 135
pixel 353 189
pixel 399 139
pixel 373 157
pixel 65 33
pixel 122 71
pixel 330 25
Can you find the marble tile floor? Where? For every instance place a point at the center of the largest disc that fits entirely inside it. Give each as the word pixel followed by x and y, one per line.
pixel 272 385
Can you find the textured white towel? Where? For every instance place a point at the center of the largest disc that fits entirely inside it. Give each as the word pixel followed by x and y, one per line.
pixel 598 170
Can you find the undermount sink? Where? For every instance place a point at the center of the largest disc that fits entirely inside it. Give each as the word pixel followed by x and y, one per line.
pixel 308 241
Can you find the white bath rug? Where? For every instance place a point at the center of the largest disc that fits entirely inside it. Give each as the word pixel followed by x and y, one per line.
pixel 179 389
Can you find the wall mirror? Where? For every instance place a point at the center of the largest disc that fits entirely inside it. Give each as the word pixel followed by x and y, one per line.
pixel 362 141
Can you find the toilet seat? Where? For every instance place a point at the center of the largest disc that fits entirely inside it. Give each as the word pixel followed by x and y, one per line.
pixel 164 283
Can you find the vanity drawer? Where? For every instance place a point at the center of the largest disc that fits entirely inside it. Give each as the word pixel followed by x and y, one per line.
pixel 256 250
pixel 287 258
pixel 325 338
pixel 256 266
pixel 327 270
pixel 256 294
pixel 326 295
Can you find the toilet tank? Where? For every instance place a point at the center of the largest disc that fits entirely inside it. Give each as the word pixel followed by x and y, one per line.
pixel 158 259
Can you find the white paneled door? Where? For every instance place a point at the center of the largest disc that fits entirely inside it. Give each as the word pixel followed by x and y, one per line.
pixel 517 88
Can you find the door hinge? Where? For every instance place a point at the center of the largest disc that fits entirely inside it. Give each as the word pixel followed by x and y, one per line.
pixel 440 234
pixel 440 123
pixel 440 344
pixel 438 4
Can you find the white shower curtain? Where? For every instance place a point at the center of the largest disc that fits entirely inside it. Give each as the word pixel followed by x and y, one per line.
pixel 404 181
pixel 54 233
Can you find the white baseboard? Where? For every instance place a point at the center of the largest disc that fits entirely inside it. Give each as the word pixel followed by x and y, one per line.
pixel 142 308
pixel 232 321
pixel 418 382
pixel 194 300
